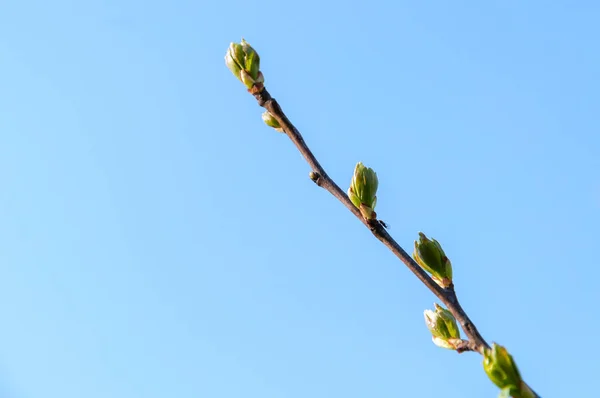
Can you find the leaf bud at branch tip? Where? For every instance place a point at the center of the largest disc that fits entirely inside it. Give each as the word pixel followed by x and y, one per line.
pixel 244 62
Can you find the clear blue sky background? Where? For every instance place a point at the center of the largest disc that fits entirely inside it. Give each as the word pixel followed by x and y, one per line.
pixel 157 240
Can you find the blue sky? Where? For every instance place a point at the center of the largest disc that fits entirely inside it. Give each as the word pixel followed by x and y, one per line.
pixel 157 240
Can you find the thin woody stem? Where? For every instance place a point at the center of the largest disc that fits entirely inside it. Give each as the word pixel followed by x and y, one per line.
pixel 447 296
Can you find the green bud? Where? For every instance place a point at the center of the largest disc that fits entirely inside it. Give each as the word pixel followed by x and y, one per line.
pixel 511 391
pixel 363 190
pixel 252 64
pixel 430 256
pixel 243 61
pixel 231 63
pixel 442 325
pixel 247 48
pixel 237 53
pixel 502 371
pixel 246 79
pixel 271 121
pixel 260 78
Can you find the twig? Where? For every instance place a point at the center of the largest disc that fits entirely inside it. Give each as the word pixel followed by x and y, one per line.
pixel 447 296
pixel 464 346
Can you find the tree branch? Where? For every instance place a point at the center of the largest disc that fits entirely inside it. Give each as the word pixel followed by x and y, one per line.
pixel 447 296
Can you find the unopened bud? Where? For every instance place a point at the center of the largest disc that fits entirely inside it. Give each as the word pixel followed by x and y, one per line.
pixel 430 256
pixel 442 325
pixel 243 61
pixel 363 190
pixel 500 367
pixel 270 121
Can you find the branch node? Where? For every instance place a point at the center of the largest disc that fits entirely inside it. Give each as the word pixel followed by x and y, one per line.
pixel 466 345
pixel 314 176
pixel 262 97
pixel 374 223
